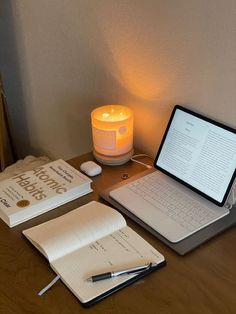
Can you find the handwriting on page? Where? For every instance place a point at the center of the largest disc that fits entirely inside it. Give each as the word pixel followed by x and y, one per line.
pixel 119 250
pixel 121 242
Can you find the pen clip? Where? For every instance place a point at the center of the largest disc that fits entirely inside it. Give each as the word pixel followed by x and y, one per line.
pixel 140 270
pixel 129 271
pixel 134 270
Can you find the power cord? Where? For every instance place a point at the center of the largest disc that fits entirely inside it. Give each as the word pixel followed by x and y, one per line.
pixel 140 162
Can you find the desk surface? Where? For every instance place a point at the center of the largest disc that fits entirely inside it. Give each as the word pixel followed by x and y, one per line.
pixel 204 281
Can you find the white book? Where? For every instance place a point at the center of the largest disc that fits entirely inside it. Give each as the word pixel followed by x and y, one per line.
pixel 34 192
pixel 89 240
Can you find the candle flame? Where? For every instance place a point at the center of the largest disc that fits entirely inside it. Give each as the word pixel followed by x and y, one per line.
pixel 105 115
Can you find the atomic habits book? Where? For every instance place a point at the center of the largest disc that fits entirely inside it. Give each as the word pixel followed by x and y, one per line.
pixel 34 192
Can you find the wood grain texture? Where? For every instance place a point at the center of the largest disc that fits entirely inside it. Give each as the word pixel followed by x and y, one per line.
pixel 203 281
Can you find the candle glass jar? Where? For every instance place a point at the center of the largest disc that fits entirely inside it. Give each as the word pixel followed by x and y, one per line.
pixel 112 130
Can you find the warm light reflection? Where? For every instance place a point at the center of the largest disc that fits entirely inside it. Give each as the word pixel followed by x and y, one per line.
pixel 133 65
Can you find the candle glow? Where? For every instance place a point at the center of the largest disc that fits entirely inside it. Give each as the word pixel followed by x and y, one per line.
pixel 112 129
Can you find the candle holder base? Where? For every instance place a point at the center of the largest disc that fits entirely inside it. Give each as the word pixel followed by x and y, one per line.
pixel 113 160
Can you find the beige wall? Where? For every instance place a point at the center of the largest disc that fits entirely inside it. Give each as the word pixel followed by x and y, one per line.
pixel 63 58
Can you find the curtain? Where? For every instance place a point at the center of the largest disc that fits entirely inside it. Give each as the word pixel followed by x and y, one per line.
pixel 6 147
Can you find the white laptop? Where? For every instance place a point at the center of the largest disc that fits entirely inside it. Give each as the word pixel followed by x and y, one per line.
pixel 194 176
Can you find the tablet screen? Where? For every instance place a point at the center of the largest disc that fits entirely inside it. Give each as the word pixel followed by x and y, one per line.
pixel 200 153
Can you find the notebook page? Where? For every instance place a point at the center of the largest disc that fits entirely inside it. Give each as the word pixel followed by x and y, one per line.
pixel 62 235
pixel 121 249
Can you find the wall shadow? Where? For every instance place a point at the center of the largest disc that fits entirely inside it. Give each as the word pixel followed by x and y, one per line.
pixel 12 80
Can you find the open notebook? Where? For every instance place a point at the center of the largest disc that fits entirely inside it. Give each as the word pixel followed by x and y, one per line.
pixel 195 171
pixel 89 240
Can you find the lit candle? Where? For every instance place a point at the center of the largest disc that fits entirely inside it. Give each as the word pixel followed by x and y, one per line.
pixel 112 129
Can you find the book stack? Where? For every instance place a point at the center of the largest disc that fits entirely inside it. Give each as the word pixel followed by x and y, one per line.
pixel 34 192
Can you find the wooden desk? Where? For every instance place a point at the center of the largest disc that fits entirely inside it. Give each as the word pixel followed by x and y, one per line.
pixel 203 281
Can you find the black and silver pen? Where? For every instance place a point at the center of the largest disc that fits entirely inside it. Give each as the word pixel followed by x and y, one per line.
pixel 127 271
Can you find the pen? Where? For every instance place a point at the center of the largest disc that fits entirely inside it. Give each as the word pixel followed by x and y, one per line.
pixel 127 271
